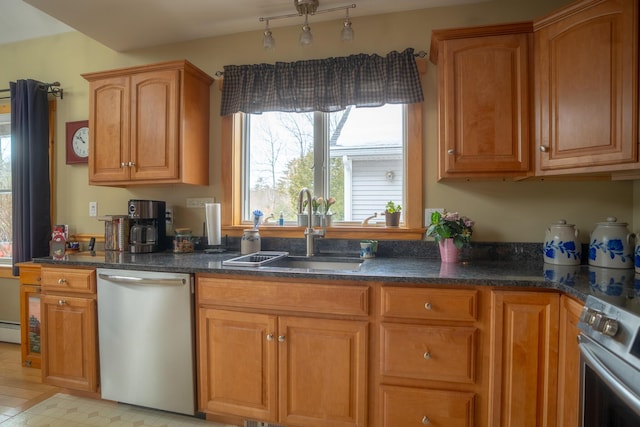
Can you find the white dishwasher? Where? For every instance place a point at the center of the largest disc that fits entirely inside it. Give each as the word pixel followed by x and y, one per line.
pixel 146 337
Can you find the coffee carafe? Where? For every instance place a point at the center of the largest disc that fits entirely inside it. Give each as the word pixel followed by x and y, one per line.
pixel 148 227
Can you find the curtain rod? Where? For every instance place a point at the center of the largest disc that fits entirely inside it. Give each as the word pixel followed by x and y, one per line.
pixel 54 89
pixel 420 54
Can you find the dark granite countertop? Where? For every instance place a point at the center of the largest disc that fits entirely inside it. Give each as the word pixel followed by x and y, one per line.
pixel 618 286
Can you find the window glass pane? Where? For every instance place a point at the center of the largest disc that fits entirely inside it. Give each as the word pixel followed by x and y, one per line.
pixel 367 164
pixel 279 162
pixel 5 188
pixel 365 151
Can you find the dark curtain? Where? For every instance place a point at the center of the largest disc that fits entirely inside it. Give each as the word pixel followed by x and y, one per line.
pixel 325 85
pixel 30 170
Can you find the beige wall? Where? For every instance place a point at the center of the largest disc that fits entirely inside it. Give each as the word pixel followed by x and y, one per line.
pixel 504 211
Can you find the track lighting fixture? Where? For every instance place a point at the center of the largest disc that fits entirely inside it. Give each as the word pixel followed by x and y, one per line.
pixel 306 8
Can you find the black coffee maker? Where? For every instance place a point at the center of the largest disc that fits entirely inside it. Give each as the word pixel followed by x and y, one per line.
pixel 148 227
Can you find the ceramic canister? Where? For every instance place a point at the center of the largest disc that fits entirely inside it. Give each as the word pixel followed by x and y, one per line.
pixel 250 242
pixel 561 245
pixel 611 245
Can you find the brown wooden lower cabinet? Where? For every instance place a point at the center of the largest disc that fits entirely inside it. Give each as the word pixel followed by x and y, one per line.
pixel 524 360
pixel 30 318
pixel 69 328
pixel 300 370
pixel 569 363
pixel 69 325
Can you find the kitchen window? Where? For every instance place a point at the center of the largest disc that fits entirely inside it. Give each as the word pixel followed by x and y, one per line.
pixel 237 165
pixel 276 141
pixel 5 189
pixel 354 156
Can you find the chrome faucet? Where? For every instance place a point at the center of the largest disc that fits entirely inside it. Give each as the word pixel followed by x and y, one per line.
pixel 309 233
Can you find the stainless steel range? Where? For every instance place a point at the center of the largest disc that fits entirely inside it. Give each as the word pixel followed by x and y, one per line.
pixel 610 363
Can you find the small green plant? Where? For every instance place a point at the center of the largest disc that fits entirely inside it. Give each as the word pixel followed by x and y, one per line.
pixel 392 207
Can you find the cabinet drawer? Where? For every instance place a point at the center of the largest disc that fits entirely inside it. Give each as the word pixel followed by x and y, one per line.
pixel 416 407
pixel 30 274
pixel 428 352
pixel 340 299
pixel 431 304
pixel 82 281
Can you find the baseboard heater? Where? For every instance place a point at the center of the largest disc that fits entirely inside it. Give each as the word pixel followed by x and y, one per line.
pixel 248 423
pixel 10 332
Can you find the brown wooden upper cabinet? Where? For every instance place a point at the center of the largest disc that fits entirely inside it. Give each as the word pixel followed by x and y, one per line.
pixel 484 101
pixel 149 125
pixel 586 88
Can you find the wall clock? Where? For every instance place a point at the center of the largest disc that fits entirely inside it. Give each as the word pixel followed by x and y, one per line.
pixel 77 142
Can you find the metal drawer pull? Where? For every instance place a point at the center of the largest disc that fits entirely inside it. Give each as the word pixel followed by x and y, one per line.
pixel 62 281
pixel 451 151
pixel 62 302
pixel 281 338
pixel 544 148
pixel 269 337
pixel 426 420
pixel 427 355
pixel 428 306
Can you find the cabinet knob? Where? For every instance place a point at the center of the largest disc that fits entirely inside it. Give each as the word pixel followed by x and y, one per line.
pixel 426 420
pixel 123 165
pixel 451 151
pixel 132 164
pixel 269 337
pixel 62 281
pixel 428 306
pixel 281 338
pixel 427 355
pixel 544 148
pixel 62 302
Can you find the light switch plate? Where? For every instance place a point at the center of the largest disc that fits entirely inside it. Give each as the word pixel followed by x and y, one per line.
pixel 93 208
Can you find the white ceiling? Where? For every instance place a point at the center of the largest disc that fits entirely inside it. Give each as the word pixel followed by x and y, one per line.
pixel 125 24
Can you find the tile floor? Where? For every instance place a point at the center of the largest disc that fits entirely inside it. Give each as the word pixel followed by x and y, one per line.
pixel 63 410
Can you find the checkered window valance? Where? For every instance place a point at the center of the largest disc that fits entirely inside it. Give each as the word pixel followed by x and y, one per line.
pixel 325 85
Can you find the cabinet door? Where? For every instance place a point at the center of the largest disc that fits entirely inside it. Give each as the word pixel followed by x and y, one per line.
pixel 69 345
pixel 237 363
pixel 524 372
pixel 155 139
pixel 569 363
pixel 323 372
pixel 109 129
pixel 484 95
pixel 586 87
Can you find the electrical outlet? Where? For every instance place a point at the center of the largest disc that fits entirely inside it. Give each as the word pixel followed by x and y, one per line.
pixel 427 214
pixel 169 215
pixel 93 208
pixel 199 202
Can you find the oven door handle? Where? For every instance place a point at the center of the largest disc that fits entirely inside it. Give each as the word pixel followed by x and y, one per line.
pixel 616 384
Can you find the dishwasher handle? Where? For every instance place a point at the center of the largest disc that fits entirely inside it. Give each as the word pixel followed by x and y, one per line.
pixel 129 280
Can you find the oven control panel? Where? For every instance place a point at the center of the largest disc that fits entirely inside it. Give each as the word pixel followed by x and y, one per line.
pixel 597 321
pixel 614 328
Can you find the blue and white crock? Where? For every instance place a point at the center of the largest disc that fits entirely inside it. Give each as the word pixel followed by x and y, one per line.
pixel 611 245
pixel 561 245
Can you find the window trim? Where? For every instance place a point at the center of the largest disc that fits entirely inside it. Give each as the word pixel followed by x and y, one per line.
pixel 413 228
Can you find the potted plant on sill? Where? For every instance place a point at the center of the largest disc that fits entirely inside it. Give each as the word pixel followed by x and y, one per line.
pixel 392 214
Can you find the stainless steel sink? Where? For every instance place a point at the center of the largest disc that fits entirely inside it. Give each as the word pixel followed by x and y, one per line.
pixel 315 263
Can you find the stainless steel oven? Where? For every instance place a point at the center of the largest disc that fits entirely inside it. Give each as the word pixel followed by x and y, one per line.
pixel 609 343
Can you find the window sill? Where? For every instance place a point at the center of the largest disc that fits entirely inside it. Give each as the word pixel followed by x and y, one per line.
pixel 334 232
pixel 6 271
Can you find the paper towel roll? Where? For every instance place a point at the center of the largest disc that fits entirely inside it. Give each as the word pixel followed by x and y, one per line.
pixel 212 211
